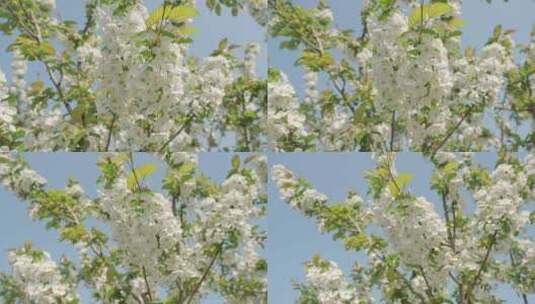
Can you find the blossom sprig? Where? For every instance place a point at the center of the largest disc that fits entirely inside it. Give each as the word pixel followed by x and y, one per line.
pixel 193 238
pixel 423 252
pixel 126 81
pixel 37 279
pixel 403 83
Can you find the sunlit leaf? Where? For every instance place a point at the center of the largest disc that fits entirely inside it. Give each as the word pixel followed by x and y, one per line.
pixel 139 173
pixel 177 14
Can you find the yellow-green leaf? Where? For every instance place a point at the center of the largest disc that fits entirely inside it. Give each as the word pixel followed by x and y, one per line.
pixel 438 9
pixel 120 158
pixel 156 16
pixel 46 48
pixel 186 168
pixel 427 11
pixel 235 162
pixel 402 180
pixel 186 30
pixel 139 173
pixel 417 14
pixel 36 87
pixel 182 13
pixel 450 168
pixel 455 24
pixel 179 13
pixel 77 113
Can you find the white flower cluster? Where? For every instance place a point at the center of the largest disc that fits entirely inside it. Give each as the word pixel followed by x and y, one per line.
pixel 38 278
pixel 416 232
pixel 166 85
pixel 7 111
pixel 423 74
pixel 284 119
pixel 152 235
pixel 299 196
pixel 501 200
pixel 434 247
pixel 258 10
pixel 251 51
pixel 144 226
pixel 16 177
pixel 131 86
pixel 48 4
pixel 386 57
pixel 329 283
pixel 527 263
pixel 147 91
pixel 230 214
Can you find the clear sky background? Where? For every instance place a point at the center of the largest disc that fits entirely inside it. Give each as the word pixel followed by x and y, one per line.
pixel 210 30
pixel 16 227
pixel 294 239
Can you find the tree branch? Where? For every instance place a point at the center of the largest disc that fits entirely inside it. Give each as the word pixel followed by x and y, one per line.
pixel 513 263
pixel 451 132
pixel 205 274
pixel 147 285
pixel 188 120
pixel 472 285
pixel 392 130
pixel 110 130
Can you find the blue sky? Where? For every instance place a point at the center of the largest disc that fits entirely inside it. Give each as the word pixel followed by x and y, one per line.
pixel 294 239
pixel 57 168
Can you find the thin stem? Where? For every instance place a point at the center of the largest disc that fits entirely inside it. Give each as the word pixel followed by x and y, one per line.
pixel 513 263
pixel 392 177
pixel 483 265
pixel 174 205
pixel 244 126
pixel 448 221
pixel 38 38
pixel 147 285
pixel 110 131
pixel 342 91
pixel 131 159
pixel 188 120
pixel 450 133
pixel 205 274
pixel 392 130
pixel 405 281
pixel 429 290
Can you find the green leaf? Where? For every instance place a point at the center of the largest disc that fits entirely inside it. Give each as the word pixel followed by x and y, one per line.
pixel 356 242
pixel 455 24
pixel 73 233
pixel 416 15
pixel 46 49
pixel 186 168
pixel 402 180
pixel 139 173
pixel 450 168
pixel 186 30
pixel 439 9
pixel 77 114
pixel 179 13
pixel 182 13
pixel 236 162
pixel 426 11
